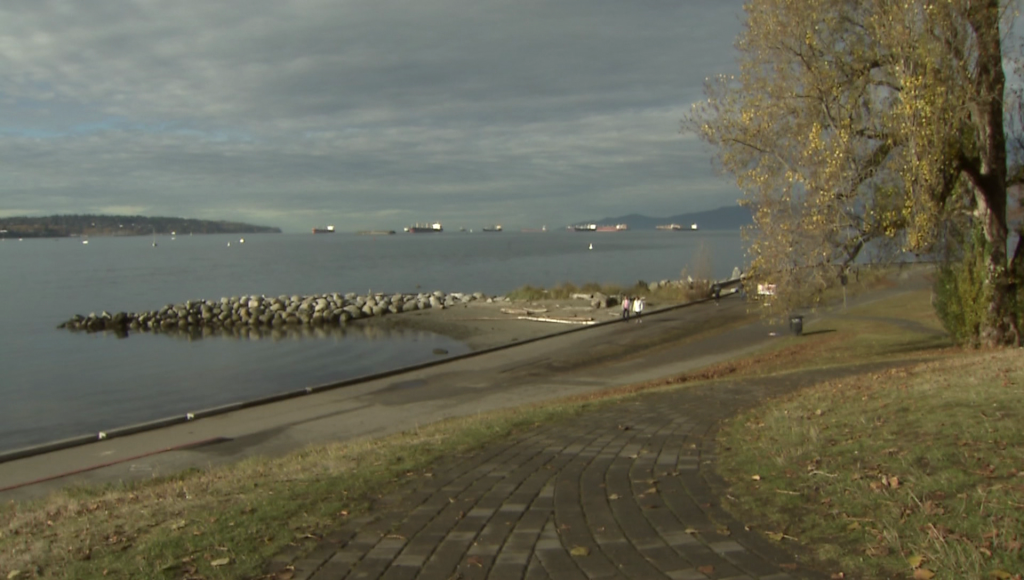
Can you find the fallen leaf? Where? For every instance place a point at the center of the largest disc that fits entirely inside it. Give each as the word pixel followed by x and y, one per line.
pixel 985 551
pixel 1000 575
pixel 220 562
pixel 579 551
pixel 724 531
pixel 894 482
pixel 915 561
pixel 706 569
pixel 923 574
pixel 755 477
pixel 613 496
pixel 777 536
pixel 179 524
pixel 690 531
pixel 13 574
pixel 853 526
pixel 651 490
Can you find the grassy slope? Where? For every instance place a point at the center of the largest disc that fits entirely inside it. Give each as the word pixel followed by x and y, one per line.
pixel 908 473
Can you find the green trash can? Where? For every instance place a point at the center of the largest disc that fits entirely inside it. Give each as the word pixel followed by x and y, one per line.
pixel 796 324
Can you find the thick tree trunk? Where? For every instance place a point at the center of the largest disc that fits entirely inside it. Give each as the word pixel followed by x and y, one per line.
pixel 1000 324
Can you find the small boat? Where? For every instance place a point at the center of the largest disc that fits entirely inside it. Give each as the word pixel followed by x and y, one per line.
pixel 494 228
pixel 673 227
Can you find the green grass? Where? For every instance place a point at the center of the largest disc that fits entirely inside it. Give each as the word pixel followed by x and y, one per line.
pixel 905 473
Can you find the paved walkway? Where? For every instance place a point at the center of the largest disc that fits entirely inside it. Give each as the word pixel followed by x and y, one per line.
pixel 626 491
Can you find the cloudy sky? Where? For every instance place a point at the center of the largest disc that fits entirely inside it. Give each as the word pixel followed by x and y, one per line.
pixel 359 113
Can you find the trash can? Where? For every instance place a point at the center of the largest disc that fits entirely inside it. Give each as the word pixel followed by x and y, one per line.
pixel 796 324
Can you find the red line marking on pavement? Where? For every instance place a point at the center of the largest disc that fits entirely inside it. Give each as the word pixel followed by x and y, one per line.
pixel 109 463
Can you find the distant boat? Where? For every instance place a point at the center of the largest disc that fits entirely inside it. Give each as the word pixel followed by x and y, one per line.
pixel 669 227
pixel 494 228
pixel 693 227
pixel 327 230
pixel 432 228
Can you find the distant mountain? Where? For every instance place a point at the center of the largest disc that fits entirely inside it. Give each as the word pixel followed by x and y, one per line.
pixel 723 218
pixel 59 226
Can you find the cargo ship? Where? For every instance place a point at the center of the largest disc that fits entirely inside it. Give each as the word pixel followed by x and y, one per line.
pixel 584 228
pixel 327 230
pixel 494 228
pixel 615 228
pixel 431 228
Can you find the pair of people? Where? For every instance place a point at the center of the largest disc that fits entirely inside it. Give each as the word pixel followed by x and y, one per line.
pixel 632 306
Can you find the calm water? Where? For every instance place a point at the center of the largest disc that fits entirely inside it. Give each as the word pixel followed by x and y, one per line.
pixel 57 384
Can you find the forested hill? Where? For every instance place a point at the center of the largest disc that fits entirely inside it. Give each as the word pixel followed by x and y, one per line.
pixel 58 226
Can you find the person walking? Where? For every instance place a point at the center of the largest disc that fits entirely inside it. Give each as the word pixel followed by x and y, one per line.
pixel 626 305
pixel 638 307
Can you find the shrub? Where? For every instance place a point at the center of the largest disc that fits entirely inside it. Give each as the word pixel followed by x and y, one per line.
pixel 961 296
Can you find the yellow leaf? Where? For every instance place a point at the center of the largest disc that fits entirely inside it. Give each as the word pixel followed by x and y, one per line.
pixel 220 562
pixel 690 531
pixel 755 477
pixel 13 574
pixel 777 536
pixel 1000 574
pixel 613 496
pixel 915 561
pixel 923 574
pixel 580 551
pixel 853 526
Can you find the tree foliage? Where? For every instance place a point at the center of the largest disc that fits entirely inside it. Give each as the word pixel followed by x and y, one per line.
pixel 852 124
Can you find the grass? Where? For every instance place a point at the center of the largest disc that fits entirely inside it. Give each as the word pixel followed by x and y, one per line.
pixel 913 473
pixel 565 290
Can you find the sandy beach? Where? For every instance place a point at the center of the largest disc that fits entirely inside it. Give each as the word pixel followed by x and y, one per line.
pixel 483 325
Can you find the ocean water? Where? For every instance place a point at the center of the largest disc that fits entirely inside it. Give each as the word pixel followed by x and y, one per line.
pixel 56 384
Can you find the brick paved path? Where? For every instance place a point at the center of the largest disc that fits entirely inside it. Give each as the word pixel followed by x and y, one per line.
pixel 626 491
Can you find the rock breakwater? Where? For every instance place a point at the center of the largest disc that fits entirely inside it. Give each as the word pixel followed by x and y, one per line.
pixel 269 312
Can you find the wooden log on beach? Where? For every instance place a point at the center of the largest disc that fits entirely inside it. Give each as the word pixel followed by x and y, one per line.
pixel 560 321
pixel 524 311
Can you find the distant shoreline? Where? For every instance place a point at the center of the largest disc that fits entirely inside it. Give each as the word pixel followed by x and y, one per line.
pixel 66 226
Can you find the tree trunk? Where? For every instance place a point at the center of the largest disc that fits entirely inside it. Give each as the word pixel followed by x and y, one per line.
pixel 1000 325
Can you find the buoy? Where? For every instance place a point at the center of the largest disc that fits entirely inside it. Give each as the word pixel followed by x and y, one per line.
pixel 591 247
pixel 241 241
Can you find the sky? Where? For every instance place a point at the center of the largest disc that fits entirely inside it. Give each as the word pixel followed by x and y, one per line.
pixel 362 114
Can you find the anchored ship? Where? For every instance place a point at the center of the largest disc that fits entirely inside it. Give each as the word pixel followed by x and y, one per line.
pixel 494 228
pixel 327 230
pixel 425 228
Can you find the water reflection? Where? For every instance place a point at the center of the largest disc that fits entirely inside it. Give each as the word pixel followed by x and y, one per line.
pixel 369 332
